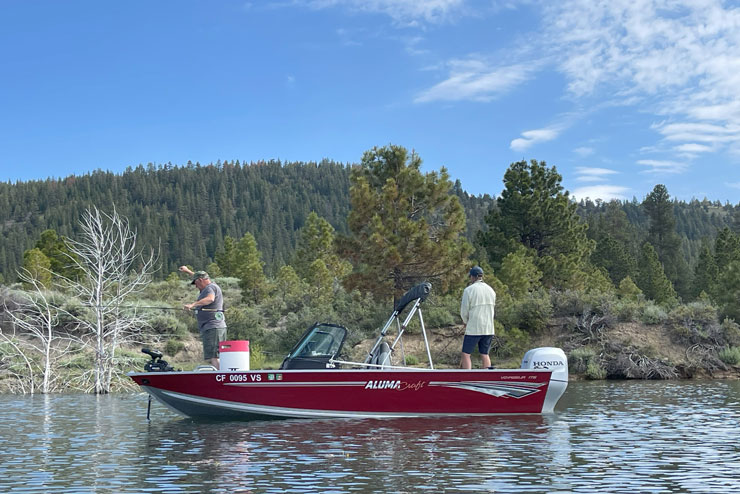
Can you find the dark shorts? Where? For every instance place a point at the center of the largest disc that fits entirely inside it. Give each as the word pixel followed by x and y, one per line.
pixel 483 341
pixel 211 338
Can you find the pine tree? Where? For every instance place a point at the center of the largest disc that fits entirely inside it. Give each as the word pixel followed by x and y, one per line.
pixel 37 266
pixel 705 273
pixel 316 241
pixel 651 278
pixel 663 237
pixel 519 273
pixel 534 211
pixel 250 269
pixel 405 226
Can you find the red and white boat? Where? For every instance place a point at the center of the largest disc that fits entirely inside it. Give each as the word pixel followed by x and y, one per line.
pixel 313 382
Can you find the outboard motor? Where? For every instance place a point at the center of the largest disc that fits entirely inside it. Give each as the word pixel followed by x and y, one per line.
pixel 156 364
pixel 553 359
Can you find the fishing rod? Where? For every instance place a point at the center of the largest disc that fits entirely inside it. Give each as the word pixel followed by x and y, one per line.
pixel 154 307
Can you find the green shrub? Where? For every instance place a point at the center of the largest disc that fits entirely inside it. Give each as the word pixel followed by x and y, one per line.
pixel 730 355
pixel 244 323
pixel 440 312
pixel 510 341
pixel 567 302
pixel 731 332
pixel 627 310
pixel 173 347
pixel 412 360
pixel 595 371
pixel 653 314
pixel 257 359
pixel 534 312
pixel 168 324
pixel 580 358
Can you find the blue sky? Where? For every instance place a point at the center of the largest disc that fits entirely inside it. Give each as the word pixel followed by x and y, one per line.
pixel 619 95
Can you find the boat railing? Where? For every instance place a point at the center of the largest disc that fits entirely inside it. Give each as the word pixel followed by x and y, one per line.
pixel 374 366
pixel 416 295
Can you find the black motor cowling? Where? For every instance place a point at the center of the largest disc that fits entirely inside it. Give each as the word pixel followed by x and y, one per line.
pixel 156 364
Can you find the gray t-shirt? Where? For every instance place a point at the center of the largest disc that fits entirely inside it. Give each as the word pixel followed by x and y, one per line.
pixel 209 319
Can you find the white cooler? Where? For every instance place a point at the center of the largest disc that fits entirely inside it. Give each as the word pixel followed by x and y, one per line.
pixel 234 355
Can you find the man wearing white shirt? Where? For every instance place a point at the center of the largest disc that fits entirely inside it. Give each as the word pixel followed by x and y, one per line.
pixel 476 310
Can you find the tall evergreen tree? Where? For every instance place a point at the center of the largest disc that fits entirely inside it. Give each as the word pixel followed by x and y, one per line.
pixel 652 279
pixel 316 242
pixel 250 270
pixel 405 226
pixel 664 239
pixel 705 274
pixel 534 211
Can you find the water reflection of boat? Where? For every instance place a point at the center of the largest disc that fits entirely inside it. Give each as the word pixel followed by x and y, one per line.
pixel 313 382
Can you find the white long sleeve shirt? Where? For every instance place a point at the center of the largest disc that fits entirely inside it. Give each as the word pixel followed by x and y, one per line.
pixel 476 308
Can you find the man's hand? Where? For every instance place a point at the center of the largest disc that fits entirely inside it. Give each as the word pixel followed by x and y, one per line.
pixel 186 270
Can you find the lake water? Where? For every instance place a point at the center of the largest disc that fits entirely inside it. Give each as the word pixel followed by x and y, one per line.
pixel 604 437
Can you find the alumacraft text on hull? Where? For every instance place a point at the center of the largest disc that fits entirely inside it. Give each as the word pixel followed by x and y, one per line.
pixel 313 382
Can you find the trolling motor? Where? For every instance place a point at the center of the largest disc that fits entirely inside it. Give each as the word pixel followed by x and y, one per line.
pixel 156 364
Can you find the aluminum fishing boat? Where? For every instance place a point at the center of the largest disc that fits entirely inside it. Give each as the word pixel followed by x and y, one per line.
pixel 314 382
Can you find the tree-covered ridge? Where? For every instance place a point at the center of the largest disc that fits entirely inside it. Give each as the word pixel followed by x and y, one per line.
pixel 185 211
pixel 188 211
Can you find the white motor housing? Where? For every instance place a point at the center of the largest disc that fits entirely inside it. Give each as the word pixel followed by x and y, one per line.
pixel 553 359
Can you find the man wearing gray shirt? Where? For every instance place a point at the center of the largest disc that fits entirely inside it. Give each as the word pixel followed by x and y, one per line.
pixel 209 309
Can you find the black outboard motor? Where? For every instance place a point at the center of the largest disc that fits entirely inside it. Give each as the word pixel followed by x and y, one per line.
pixel 156 364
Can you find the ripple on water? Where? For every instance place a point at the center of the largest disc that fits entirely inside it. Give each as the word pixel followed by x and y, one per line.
pixel 605 437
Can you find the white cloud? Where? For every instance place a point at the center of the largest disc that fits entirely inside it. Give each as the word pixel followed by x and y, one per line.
pixel 532 137
pixel 475 80
pixel 663 166
pixel 603 192
pixel 677 58
pixel 403 12
pixel 589 174
pixel 584 151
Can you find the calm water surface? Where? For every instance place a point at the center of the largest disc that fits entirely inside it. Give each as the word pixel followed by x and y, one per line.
pixel 604 437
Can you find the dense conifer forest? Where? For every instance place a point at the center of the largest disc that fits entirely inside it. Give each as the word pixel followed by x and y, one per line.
pixel 187 211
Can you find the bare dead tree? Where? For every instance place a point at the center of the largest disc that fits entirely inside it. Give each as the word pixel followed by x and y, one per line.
pixel 112 270
pixel 36 318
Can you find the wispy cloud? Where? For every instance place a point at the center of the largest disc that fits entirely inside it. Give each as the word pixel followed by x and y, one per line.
pixel 588 174
pixel 679 59
pixel 402 12
pixel 531 137
pixel 584 151
pixel 603 192
pixel 475 80
pixel 663 166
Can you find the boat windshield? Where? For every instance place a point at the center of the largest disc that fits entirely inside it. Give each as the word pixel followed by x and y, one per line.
pixel 320 340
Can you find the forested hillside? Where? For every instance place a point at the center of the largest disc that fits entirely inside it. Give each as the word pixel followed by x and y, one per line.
pixel 297 243
pixel 187 211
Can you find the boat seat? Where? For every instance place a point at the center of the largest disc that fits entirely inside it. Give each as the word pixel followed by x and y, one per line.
pixel 383 356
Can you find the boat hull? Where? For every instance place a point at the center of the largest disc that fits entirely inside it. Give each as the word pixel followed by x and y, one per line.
pixel 258 395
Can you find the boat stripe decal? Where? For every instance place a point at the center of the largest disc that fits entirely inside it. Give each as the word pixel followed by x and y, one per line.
pixel 494 388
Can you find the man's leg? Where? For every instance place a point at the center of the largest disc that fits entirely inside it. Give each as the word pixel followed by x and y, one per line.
pixel 465 362
pixel 484 346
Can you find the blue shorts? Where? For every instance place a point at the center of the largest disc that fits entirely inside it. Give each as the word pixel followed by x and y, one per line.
pixel 483 341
